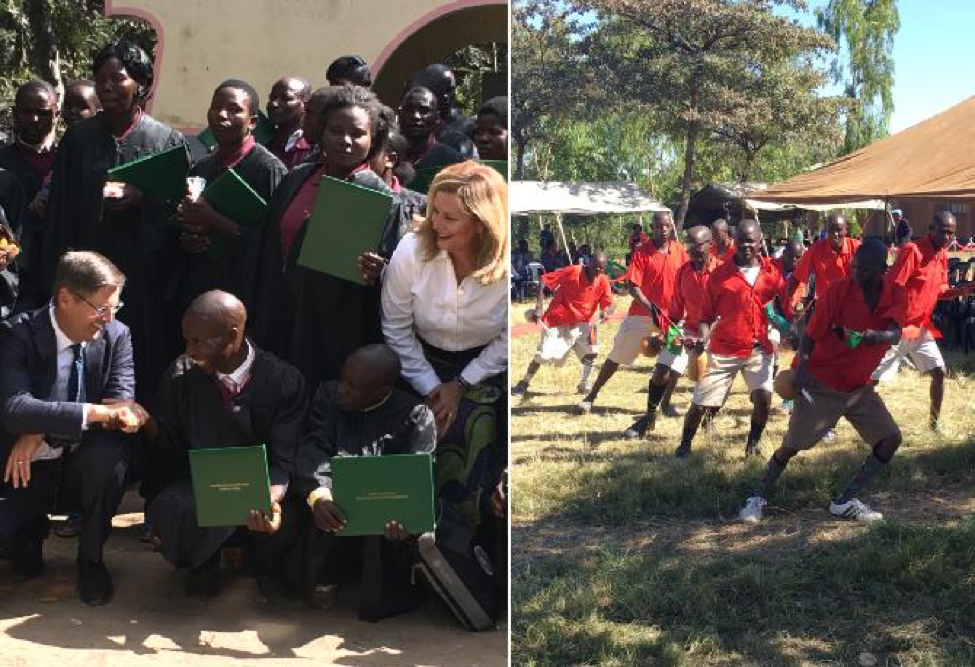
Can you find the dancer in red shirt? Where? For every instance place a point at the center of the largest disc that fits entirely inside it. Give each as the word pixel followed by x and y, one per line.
pixel 854 323
pixel 568 322
pixel 737 294
pixel 828 259
pixel 922 269
pixel 651 281
pixel 690 287
pixel 722 245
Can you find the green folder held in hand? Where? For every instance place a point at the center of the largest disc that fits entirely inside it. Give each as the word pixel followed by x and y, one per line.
pixel 233 198
pixel 373 490
pixel 161 174
pixel 347 220
pixel 228 483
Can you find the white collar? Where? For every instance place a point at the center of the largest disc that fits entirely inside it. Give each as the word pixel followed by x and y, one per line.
pixel 289 145
pixel 62 341
pixel 239 375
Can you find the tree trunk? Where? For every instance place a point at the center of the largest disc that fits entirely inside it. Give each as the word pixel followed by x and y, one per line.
pixel 688 178
pixel 44 56
pixel 519 157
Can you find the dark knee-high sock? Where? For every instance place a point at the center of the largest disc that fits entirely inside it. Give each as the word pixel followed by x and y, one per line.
pixel 867 471
pixel 776 465
pixel 755 432
pixel 654 394
pixel 691 422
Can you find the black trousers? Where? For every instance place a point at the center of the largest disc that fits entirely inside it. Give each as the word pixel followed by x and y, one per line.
pixel 94 480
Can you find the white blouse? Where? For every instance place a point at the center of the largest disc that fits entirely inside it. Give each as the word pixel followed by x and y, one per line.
pixel 423 300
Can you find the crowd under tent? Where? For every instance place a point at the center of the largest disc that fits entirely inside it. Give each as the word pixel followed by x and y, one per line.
pixel 579 199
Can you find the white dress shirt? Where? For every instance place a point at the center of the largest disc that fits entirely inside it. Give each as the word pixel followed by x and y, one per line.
pixel 239 376
pixel 423 300
pixel 59 392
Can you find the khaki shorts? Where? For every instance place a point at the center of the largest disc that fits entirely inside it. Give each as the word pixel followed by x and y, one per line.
pixel 923 351
pixel 626 345
pixel 863 408
pixel 757 370
pixel 557 341
pixel 675 362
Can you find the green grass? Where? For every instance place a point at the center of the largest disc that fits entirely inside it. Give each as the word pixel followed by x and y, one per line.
pixel 624 555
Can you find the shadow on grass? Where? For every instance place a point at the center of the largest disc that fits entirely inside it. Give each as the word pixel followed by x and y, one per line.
pixel 904 593
pixel 620 488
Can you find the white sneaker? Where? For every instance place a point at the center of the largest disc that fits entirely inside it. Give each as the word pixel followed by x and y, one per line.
pixel 752 511
pixel 854 510
pixel 830 436
pixel 585 407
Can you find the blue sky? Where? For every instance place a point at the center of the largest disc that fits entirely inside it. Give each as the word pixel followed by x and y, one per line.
pixel 934 67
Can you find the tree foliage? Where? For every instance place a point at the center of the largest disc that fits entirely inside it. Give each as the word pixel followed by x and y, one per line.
pixel 698 65
pixel 864 66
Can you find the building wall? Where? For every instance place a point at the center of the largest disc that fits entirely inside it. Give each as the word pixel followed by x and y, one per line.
pixel 202 42
pixel 920 212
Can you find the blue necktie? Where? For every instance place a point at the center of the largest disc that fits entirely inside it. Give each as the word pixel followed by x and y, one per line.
pixel 76 378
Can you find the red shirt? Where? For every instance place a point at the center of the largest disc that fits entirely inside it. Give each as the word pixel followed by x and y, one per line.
pixel 832 361
pixel 728 254
pixel 797 296
pixel 741 308
pixel 689 293
pixel 576 298
pixel 826 264
pixel 923 273
pixel 655 274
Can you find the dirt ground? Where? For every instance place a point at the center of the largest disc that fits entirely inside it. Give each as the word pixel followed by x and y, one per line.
pixel 152 622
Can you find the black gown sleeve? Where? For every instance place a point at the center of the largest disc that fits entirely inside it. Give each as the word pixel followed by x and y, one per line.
pixel 313 462
pixel 286 423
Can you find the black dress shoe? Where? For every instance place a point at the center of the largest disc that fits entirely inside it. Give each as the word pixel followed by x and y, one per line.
pixel 95 584
pixel 28 561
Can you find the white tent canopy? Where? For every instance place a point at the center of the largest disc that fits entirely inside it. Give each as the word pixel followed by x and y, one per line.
pixel 759 205
pixel 527 197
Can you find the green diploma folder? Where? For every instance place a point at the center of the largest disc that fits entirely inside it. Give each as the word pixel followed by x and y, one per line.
pixel 424 177
pixel 161 174
pixel 233 198
pixel 228 483
pixel 347 220
pixel 373 490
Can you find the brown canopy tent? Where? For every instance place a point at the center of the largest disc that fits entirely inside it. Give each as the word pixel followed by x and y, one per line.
pixel 933 159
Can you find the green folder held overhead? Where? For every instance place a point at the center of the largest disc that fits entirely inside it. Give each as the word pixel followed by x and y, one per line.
pixel 262 133
pixel 373 490
pixel 233 198
pixel 228 483
pixel 347 220
pixel 161 174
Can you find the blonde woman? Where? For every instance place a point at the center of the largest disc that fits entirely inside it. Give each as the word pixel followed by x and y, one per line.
pixel 445 299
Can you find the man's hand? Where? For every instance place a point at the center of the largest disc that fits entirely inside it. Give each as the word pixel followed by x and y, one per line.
pixel 371 265
pixel 874 337
pixel 119 196
pixel 17 471
pixel 395 531
pixel 444 400
pixel 259 522
pixel 328 516
pixel 117 414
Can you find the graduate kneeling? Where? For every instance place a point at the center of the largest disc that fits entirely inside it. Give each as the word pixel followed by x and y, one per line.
pixel 224 392
pixel 361 414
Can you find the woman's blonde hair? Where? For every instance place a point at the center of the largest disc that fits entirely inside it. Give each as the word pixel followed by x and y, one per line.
pixel 483 193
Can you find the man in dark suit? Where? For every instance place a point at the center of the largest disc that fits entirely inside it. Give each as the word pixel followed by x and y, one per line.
pixel 67 383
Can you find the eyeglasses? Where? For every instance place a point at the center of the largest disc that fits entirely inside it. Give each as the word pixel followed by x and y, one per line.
pixel 100 311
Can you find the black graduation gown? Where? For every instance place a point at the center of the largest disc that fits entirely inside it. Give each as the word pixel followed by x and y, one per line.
pixel 401 425
pixel 191 413
pixel 236 271
pixel 441 155
pixel 141 241
pixel 311 319
pixel 13 208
